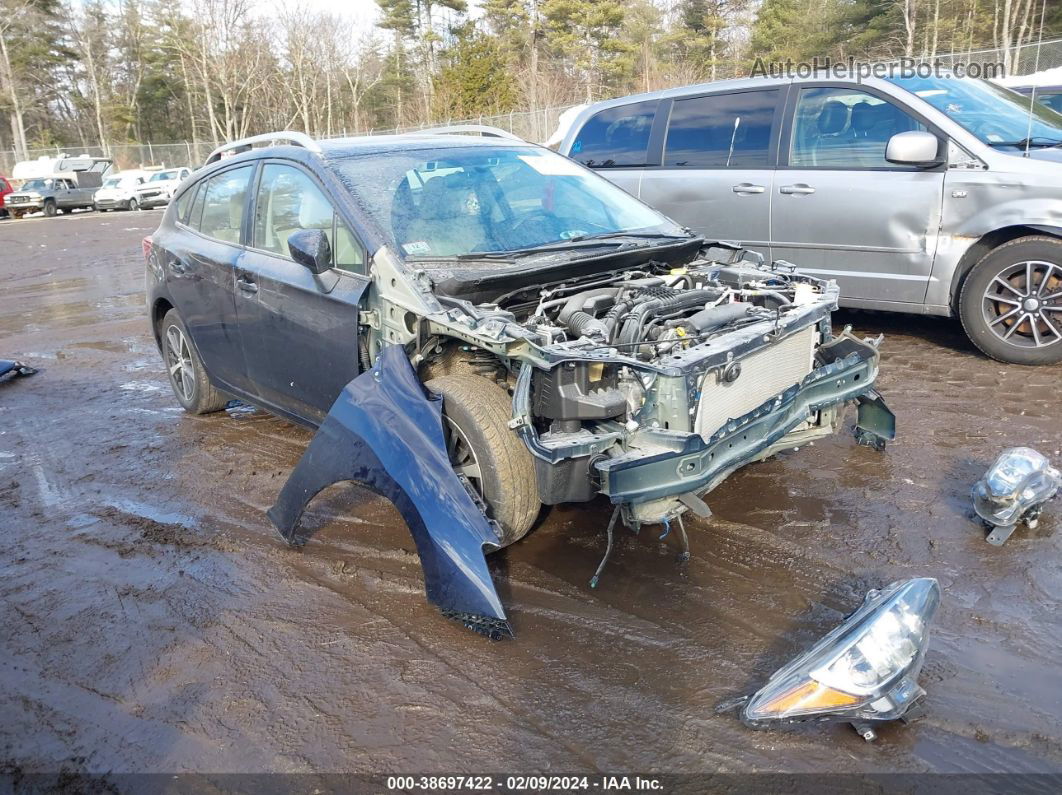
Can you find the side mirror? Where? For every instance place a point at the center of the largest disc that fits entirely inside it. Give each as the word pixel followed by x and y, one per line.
pixel 914 148
pixel 310 248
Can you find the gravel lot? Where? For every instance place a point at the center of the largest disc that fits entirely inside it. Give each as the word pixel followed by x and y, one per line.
pixel 152 620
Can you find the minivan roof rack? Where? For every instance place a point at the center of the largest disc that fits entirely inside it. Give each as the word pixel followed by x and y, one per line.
pixel 464 129
pixel 244 144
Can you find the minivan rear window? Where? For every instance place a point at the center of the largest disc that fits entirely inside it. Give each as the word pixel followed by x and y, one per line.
pixel 616 137
pixel 721 130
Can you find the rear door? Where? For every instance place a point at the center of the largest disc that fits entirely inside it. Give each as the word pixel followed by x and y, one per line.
pixel 718 163
pixel 200 263
pixel 840 210
pixel 299 329
pixel 616 143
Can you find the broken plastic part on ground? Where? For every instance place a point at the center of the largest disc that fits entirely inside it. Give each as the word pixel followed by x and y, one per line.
pixel 386 433
pixel 9 368
pixel 1014 490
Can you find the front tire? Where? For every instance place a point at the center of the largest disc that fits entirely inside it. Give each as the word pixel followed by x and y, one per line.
pixel 482 447
pixel 132 205
pixel 1011 303
pixel 188 377
pixel 50 209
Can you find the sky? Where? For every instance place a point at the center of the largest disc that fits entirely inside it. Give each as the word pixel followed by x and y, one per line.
pixel 363 12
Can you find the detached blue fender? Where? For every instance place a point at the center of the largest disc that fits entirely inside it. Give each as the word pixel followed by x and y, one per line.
pixel 386 432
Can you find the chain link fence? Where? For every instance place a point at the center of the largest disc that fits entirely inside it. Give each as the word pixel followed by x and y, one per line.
pixel 535 125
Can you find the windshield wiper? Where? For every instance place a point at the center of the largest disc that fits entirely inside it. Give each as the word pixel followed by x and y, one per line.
pixel 605 238
pixel 1037 141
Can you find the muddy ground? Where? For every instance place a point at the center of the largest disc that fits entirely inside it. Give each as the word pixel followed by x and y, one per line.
pixel 152 620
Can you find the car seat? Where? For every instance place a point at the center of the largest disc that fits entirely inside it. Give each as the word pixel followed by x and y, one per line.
pixel 832 140
pixel 447 221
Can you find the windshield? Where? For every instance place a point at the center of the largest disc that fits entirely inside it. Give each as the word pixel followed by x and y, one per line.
pixel 163 176
pixel 453 202
pixel 996 115
pixel 38 184
pixel 112 183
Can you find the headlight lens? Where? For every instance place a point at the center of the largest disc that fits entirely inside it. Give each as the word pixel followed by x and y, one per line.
pixel 1020 479
pixel 865 669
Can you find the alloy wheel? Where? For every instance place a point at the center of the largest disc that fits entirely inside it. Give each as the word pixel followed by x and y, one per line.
pixel 462 456
pixel 1022 305
pixel 179 362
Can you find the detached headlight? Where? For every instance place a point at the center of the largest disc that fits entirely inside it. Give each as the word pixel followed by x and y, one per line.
pixel 865 670
pixel 1015 489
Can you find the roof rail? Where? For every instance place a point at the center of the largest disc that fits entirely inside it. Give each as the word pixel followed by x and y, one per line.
pixel 465 129
pixel 244 144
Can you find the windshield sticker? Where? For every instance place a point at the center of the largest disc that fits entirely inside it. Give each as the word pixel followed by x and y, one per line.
pixel 552 166
pixel 417 247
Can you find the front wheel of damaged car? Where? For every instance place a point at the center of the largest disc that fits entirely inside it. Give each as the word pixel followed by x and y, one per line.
pixel 1011 303
pixel 188 377
pixel 485 451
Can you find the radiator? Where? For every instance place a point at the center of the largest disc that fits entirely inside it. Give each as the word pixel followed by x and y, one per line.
pixel 764 373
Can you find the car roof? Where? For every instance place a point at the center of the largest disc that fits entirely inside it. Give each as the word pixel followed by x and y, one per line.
pixel 375 144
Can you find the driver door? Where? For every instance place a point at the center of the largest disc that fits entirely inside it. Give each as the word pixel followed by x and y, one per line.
pixel 841 211
pixel 299 330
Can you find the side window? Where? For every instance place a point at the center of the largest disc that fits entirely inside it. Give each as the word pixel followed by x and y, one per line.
pixel 844 128
pixel 197 208
pixel 288 201
pixel 222 204
pixel 721 131
pixel 616 137
pixel 184 203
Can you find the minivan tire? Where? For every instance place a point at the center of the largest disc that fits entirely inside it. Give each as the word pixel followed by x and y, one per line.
pixel 480 411
pixel 977 311
pixel 199 396
pixel 132 205
pixel 49 208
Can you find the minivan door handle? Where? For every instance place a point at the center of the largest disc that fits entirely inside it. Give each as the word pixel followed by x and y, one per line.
pixel 246 285
pixel 748 187
pixel 800 188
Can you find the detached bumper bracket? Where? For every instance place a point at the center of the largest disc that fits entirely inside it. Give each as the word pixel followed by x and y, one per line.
pixel 385 432
pixel 875 423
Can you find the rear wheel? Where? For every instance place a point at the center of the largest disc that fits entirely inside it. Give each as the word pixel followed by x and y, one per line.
pixel 1011 303
pixel 485 450
pixel 132 204
pixel 188 378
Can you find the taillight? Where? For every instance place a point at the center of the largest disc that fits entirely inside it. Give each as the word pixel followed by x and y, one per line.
pixel 146 243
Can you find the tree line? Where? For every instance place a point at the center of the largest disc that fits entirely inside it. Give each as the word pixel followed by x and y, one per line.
pixel 110 72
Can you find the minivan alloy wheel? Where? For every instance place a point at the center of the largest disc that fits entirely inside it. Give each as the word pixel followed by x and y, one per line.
pixel 179 362
pixel 1022 305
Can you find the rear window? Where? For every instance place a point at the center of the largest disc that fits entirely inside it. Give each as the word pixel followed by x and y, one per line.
pixel 616 137
pixel 222 203
pixel 721 130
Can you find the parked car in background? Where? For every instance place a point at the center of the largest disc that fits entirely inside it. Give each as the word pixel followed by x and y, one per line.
pixel 929 195
pixel 5 189
pixel 1051 96
pixel 159 187
pixel 577 341
pixel 52 195
pixel 119 191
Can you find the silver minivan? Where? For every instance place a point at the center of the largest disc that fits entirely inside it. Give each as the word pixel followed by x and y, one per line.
pixel 932 195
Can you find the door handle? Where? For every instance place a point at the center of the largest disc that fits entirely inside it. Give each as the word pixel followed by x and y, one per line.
pixel 246 285
pixel 748 187
pixel 800 189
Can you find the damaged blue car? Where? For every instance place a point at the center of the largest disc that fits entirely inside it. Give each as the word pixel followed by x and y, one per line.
pixel 477 327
